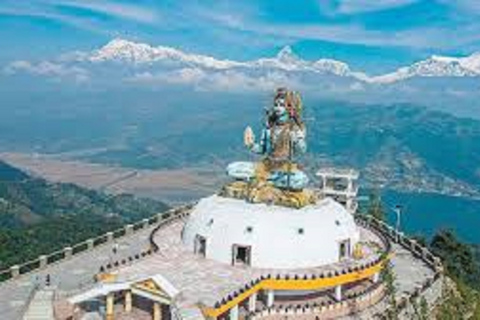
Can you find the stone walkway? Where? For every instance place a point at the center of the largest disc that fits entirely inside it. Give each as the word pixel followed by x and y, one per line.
pixel 207 281
pixel 41 306
pixel 198 279
pixel 68 276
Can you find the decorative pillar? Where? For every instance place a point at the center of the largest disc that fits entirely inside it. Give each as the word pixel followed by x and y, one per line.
pixel 128 229
pixel 90 244
pixel 145 223
pixel 233 314
pixel 270 298
pixel 128 301
pixel 109 236
pixel 43 261
pixel 338 293
pixel 349 185
pixel 376 277
pixel 252 301
pixel 67 252
pixel 15 271
pixel 110 304
pixel 157 311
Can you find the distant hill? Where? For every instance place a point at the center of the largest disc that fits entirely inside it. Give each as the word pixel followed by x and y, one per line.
pixel 401 147
pixel 37 217
pixel 9 173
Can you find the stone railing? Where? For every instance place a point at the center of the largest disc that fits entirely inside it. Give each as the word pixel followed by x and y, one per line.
pixel 43 261
pixel 400 238
pixel 168 218
pixel 417 250
pixel 331 309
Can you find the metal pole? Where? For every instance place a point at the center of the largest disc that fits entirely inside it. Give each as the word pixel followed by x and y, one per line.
pixel 398 211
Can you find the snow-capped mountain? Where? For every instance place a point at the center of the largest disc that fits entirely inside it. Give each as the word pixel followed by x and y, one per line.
pixel 140 53
pixel 286 60
pixel 143 61
pixel 435 66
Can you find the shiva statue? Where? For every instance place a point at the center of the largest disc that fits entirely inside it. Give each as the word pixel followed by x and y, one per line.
pixel 276 178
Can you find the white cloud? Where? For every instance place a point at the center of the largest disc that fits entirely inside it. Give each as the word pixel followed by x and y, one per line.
pixel 419 38
pixel 191 76
pixel 362 6
pixel 119 10
pixel 46 68
pixel 229 80
pixel 460 29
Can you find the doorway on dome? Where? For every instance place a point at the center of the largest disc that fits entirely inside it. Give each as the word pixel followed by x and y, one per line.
pixel 344 249
pixel 200 246
pixel 241 255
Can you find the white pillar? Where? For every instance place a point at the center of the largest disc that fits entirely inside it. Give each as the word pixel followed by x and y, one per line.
pixel 270 298
pixel 338 293
pixel 43 261
pixel 349 185
pixel 233 314
pixel 90 244
pixel 157 311
pixel 109 236
pixel 110 304
pixel 15 271
pixel 128 301
pixel 128 229
pixel 67 252
pixel 252 301
pixel 376 277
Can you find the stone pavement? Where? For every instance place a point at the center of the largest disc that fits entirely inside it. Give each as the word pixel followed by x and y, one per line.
pixel 198 279
pixel 206 281
pixel 70 275
pixel 410 273
pixel 41 306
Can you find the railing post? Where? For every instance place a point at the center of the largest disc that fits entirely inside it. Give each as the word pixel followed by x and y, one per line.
pixel 43 261
pixel 15 271
pixel 67 252
pixel 90 244
pixel 128 229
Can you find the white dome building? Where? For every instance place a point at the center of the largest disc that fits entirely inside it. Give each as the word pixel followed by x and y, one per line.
pixel 234 231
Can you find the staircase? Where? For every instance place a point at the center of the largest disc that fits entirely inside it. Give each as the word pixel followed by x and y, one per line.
pixel 41 306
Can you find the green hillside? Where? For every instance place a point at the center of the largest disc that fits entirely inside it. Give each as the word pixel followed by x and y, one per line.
pixel 37 217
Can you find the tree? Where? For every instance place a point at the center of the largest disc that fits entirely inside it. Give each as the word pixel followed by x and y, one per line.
pixel 375 208
pixel 457 257
pixel 388 277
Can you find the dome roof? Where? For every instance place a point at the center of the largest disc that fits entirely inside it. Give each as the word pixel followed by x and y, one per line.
pixel 277 237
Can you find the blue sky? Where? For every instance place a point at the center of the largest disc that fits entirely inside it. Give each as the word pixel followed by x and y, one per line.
pixel 369 34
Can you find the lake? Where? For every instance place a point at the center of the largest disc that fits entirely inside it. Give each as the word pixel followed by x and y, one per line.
pixel 425 213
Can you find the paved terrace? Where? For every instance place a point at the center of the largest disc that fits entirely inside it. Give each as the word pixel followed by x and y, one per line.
pixel 200 280
pixel 71 275
pixel 207 281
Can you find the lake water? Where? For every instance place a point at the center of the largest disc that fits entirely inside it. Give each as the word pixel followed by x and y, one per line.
pixel 425 213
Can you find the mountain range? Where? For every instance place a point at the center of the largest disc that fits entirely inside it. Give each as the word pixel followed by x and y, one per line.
pixel 286 60
pixel 448 84
pixel 141 55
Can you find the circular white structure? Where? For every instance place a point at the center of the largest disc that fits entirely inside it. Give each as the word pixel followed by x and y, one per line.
pixel 234 231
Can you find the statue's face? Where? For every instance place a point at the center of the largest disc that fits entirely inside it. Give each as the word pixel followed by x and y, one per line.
pixel 280 110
